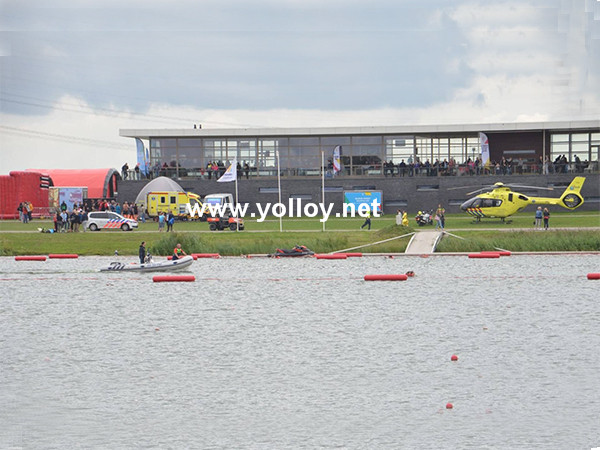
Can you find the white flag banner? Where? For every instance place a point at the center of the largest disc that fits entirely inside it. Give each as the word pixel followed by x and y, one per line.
pixel 337 165
pixel 485 149
pixel 230 174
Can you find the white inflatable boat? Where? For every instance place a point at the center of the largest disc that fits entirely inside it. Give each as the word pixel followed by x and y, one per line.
pixel 159 266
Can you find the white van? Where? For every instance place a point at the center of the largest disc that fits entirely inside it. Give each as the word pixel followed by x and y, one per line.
pixel 217 200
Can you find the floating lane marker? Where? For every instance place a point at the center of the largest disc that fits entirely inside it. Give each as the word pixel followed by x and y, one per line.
pixel 206 255
pixel 387 277
pixel 30 258
pixel 63 256
pixel 593 276
pixel 331 256
pixel 352 255
pixel 500 252
pixel 484 255
pixel 172 278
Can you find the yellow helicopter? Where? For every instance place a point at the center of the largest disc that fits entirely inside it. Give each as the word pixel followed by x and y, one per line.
pixel 502 202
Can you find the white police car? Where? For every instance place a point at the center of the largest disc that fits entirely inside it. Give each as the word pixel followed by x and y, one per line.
pixel 107 220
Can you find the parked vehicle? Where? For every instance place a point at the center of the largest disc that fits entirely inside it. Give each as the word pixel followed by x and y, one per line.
pixel 215 200
pixel 107 220
pixel 165 201
pixel 223 223
pixel 424 218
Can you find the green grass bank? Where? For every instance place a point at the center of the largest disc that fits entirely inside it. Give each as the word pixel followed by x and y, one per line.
pixel 264 237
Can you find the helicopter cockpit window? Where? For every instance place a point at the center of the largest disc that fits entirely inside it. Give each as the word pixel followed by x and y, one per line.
pixel 491 202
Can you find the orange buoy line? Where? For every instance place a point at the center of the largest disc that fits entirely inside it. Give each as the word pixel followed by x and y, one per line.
pixel 63 256
pixel 500 252
pixel 484 255
pixel 352 255
pixel 331 256
pixel 170 278
pixel 30 258
pixel 387 277
pixel 206 255
pixel 593 276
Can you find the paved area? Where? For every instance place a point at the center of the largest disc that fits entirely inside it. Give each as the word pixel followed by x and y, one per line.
pixel 423 242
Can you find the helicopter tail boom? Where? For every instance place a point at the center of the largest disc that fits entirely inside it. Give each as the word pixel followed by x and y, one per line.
pixel 571 198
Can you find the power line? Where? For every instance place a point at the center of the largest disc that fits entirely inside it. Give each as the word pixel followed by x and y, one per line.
pixel 108 112
pixel 64 138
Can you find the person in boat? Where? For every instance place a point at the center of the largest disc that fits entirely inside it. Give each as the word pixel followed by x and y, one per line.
pixel 178 252
pixel 142 252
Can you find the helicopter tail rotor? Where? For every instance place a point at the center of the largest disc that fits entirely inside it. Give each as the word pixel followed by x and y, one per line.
pixel 572 198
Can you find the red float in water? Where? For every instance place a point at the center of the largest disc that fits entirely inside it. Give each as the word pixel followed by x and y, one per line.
pixel 454 358
pixel 593 276
pixel 331 256
pixel 387 277
pixel 30 258
pixel 352 255
pixel 168 278
pixel 63 256
pixel 449 405
pixel 484 255
pixel 206 255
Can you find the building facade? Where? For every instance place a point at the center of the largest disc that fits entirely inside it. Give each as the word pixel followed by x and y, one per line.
pixel 370 151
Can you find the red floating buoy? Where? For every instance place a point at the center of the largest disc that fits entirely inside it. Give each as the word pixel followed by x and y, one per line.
pixel 387 277
pixel 484 255
pixel 169 278
pixel 63 256
pixel 30 258
pixel 593 276
pixel 352 255
pixel 454 358
pixel 449 405
pixel 206 255
pixel 331 256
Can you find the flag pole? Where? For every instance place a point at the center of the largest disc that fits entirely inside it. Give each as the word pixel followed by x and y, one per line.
pixel 237 222
pixel 279 189
pixel 323 181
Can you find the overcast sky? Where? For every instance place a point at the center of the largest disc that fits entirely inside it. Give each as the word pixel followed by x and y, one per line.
pixel 74 73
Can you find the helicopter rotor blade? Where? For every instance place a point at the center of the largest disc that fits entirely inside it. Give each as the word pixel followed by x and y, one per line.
pixel 485 186
pixel 529 187
pixel 478 191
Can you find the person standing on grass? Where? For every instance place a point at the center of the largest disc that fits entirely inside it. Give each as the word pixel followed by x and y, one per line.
pixel 546 218
pixel 539 215
pixel 161 222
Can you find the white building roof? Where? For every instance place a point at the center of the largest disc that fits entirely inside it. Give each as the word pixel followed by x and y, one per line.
pixel 333 131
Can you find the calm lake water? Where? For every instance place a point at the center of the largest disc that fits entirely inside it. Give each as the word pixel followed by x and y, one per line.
pixel 275 354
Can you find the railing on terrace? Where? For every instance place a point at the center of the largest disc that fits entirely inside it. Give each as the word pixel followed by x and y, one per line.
pixel 376 171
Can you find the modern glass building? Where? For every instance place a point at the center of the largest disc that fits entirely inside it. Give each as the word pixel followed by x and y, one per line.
pixel 365 150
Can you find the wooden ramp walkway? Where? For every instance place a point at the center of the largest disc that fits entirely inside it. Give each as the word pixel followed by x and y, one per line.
pixel 423 242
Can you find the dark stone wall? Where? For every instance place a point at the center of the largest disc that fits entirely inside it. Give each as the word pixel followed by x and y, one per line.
pixel 409 193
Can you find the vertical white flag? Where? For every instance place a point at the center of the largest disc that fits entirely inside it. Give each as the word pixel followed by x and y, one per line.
pixel 230 174
pixel 485 149
pixel 337 165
